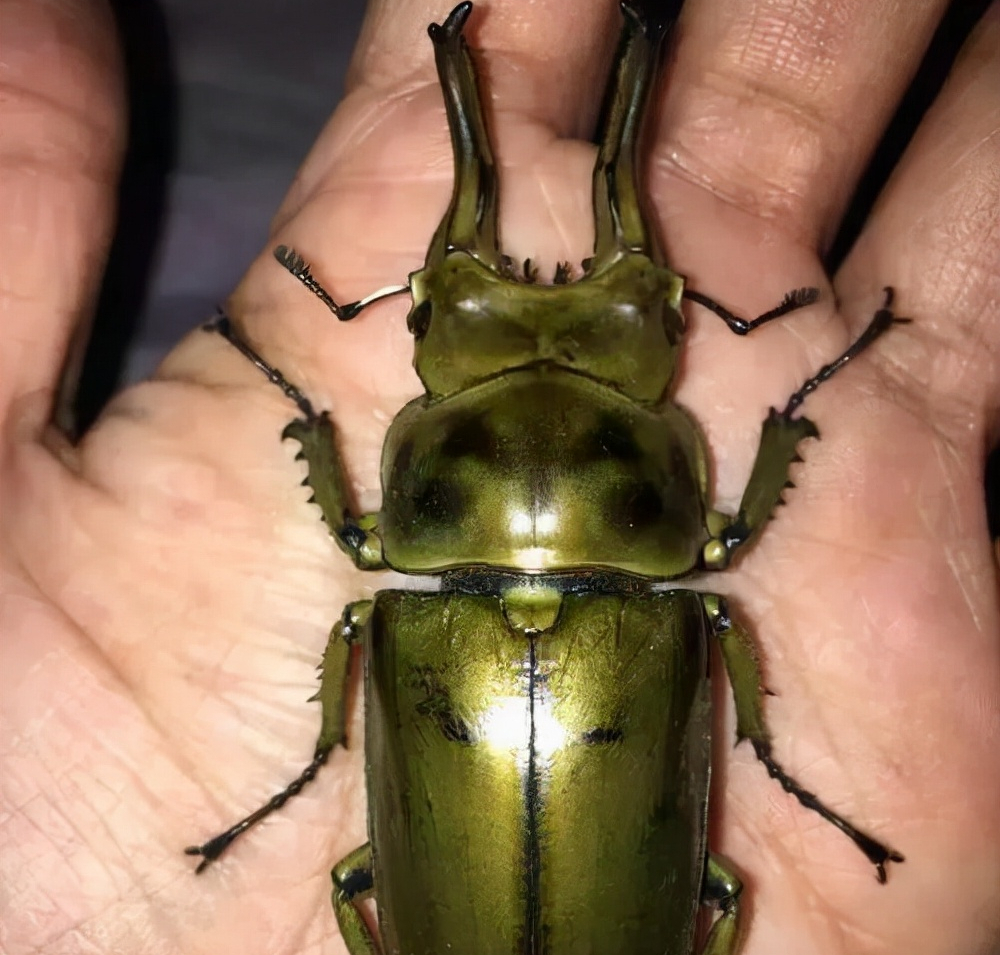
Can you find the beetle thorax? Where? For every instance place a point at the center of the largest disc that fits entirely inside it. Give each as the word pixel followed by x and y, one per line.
pixel 542 469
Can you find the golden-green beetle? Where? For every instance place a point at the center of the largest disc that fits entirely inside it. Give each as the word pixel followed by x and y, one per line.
pixel 538 723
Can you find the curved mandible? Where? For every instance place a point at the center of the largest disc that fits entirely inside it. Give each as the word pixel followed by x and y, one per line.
pixel 619 225
pixel 470 222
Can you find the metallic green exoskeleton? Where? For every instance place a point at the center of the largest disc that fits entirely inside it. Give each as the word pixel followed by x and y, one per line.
pixel 538 726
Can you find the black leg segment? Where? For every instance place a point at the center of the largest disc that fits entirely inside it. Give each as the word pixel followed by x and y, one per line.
pixel 295 264
pixel 793 301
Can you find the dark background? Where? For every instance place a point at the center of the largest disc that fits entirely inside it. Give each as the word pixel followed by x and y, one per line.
pixel 226 96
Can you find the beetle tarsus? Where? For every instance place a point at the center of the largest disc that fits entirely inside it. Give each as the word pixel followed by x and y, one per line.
pixel 876 853
pixel 224 326
pixel 881 322
pixel 793 301
pixel 211 850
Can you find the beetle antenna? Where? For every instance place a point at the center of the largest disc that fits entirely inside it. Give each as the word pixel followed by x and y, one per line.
pixel 793 301
pixel 295 264
pixel 224 326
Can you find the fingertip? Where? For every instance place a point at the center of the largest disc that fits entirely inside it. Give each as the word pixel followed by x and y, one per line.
pixel 934 235
pixel 62 123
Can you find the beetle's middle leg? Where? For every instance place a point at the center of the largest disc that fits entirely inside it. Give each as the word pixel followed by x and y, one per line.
pixel 332 694
pixel 745 677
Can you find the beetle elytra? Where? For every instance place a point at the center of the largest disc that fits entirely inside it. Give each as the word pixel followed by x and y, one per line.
pixel 538 726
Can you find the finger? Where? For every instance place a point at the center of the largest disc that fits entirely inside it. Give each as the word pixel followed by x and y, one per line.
pixel 774 107
pixel 935 236
pixel 59 153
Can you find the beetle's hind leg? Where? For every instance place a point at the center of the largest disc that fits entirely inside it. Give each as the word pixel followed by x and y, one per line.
pixel 353 882
pixel 745 678
pixel 332 695
pixel 722 888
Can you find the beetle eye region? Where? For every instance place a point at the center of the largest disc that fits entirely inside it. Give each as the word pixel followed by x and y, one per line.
pixel 418 321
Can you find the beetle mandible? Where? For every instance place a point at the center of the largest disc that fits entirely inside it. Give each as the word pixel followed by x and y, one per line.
pixel 553 488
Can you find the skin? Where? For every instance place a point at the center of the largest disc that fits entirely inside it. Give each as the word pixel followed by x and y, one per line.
pixel 167 587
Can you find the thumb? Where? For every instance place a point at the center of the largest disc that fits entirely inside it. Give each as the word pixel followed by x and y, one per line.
pixel 61 135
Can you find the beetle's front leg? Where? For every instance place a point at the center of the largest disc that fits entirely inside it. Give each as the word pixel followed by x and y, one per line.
pixel 722 888
pixel 740 657
pixel 356 536
pixel 777 451
pixel 332 695
pixel 353 882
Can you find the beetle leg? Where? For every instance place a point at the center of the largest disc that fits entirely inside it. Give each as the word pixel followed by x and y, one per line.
pixel 353 882
pixel 335 674
pixel 722 888
pixel 881 322
pixel 792 302
pixel 740 657
pixel 777 450
pixel 356 536
pixel 332 694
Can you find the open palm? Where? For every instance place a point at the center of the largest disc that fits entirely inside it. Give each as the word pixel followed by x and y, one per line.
pixel 167 587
